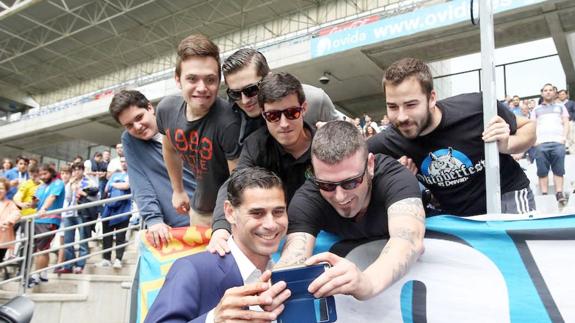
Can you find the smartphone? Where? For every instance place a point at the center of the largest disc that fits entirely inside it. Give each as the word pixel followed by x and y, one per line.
pixel 302 306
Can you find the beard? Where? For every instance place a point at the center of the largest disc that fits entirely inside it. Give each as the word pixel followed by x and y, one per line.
pixel 419 125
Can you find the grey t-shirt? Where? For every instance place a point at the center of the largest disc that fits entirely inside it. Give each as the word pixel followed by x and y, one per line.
pixel 205 144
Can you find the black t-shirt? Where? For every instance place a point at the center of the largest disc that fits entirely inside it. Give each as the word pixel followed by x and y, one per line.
pixel 261 149
pixel 205 144
pixel 451 159
pixel 309 212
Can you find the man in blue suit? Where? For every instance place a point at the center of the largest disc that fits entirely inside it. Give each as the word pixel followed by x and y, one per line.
pixel 206 287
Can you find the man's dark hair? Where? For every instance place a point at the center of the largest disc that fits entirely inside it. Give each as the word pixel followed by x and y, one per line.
pixel 250 177
pixel 124 100
pixel 244 57
pixel 97 154
pixel 77 166
pixel 549 84
pixel 49 169
pixel 407 67
pixel 328 146
pixel 564 91
pixel 20 157
pixel 197 46
pixel 276 86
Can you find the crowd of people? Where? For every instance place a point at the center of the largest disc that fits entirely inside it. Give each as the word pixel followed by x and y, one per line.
pixel 271 161
pixel 31 189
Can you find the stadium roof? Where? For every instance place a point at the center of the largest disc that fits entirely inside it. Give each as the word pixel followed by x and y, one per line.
pixel 47 45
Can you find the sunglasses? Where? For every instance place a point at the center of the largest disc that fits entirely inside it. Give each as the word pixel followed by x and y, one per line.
pixel 249 91
pixel 346 184
pixel 275 115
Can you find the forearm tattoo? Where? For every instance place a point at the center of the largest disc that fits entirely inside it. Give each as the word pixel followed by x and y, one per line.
pixel 294 250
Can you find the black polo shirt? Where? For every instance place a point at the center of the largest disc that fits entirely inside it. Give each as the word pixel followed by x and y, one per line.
pixel 261 149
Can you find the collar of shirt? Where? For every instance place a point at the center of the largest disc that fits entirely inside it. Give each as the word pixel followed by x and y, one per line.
pixel 157 137
pixel 248 270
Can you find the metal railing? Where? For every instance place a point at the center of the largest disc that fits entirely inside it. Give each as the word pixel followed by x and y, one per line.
pixel 24 246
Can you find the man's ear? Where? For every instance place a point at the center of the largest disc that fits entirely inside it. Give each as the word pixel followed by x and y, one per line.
pixel 229 212
pixel 370 164
pixel 432 98
pixel 304 106
pixel 177 78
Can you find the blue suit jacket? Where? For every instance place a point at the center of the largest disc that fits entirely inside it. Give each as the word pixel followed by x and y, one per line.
pixel 194 285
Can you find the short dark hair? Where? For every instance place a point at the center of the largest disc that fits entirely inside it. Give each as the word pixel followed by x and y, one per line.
pixel 244 57
pixel 548 84
pixel 407 67
pixel 250 177
pixel 97 154
pixel 276 86
pixel 77 166
pixel 564 91
pixel 327 144
pixel 197 45
pixel 49 169
pixel 124 100
pixel 20 157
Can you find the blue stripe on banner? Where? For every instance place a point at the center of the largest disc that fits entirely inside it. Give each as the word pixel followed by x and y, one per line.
pixel 406 300
pixel 524 300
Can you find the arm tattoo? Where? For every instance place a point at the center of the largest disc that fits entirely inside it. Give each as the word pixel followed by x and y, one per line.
pixel 294 252
pixel 412 207
pixel 403 266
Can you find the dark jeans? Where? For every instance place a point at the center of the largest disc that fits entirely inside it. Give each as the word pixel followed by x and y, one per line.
pixel 69 237
pixel 108 240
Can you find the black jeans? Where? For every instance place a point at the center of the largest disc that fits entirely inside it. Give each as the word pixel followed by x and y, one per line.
pixel 108 240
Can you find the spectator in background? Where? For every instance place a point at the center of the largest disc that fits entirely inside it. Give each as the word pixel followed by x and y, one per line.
pixel 78 159
pixel 515 105
pixel 91 167
pixel 86 191
pixel 570 106
pixel 50 196
pixel 357 124
pixel 17 175
pixel 552 128
pixel 115 165
pixel 24 198
pixel 369 132
pixel 384 122
pixel 150 183
pixel 74 189
pixel 6 166
pixel 103 171
pixel 65 175
pixel 9 216
pixel 118 185
pixel 369 122
pixel 34 161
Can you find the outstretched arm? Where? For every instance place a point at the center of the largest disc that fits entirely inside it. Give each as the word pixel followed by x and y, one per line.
pixel 174 165
pixel 406 221
pixel 298 247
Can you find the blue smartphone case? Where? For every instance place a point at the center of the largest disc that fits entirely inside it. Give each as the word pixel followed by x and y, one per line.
pixel 303 307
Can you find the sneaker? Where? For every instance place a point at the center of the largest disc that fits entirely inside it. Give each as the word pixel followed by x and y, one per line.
pixel 561 199
pixel 104 263
pixel 32 281
pixel 78 270
pixel 117 264
pixel 62 270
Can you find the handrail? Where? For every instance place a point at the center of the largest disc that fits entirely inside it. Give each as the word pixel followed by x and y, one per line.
pixel 28 238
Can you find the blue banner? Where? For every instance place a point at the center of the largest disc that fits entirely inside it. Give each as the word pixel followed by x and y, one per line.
pixel 432 17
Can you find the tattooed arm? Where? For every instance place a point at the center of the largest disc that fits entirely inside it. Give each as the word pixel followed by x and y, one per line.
pixel 298 247
pixel 406 222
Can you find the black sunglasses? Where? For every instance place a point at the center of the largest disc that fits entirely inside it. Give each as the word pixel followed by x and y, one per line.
pixel 275 115
pixel 249 91
pixel 346 184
